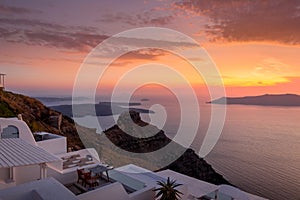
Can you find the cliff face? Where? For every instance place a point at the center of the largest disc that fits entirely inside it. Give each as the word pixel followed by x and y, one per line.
pixel 189 163
pixel 192 165
pixel 38 117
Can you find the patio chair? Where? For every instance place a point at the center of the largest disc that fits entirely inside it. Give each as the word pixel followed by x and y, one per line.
pixel 80 173
pixel 90 180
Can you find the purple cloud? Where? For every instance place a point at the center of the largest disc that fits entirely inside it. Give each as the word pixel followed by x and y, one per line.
pixel 35 32
pixel 249 20
pixel 14 10
pixel 143 19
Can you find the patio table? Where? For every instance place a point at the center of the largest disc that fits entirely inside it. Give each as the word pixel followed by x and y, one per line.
pixel 99 169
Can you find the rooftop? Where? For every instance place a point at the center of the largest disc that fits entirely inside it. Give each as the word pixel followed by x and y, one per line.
pixel 41 136
pixel 45 189
pixel 196 188
pixel 16 152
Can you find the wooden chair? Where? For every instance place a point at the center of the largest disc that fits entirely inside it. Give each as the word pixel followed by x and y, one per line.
pixel 90 180
pixel 80 173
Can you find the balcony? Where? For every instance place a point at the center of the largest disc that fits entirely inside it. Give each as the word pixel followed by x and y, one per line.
pixel 52 143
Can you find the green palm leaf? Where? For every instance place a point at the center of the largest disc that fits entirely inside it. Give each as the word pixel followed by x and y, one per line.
pixel 167 190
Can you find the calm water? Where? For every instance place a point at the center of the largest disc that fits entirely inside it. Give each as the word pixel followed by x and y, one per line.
pixel 258 151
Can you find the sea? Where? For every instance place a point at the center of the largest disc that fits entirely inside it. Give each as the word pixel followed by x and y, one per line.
pixel 258 150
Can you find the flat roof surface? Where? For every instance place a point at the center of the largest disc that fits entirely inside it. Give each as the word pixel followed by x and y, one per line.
pixel 143 175
pixel 16 152
pixel 235 193
pixel 196 187
pixel 45 189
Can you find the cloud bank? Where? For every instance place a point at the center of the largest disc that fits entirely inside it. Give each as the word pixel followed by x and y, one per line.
pixel 35 32
pixel 249 20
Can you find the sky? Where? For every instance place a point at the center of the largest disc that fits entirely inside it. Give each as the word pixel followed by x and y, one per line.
pixel 254 44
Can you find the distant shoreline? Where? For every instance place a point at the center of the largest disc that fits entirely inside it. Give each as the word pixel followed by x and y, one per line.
pixel 100 109
pixel 286 100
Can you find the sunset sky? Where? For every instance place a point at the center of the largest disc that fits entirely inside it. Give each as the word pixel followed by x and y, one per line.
pixel 255 44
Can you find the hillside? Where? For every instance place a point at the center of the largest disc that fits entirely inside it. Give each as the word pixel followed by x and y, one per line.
pixel 108 145
pixel 38 117
pixel 263 100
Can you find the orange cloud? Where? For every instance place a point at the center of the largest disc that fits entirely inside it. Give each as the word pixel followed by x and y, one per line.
pixel 292 85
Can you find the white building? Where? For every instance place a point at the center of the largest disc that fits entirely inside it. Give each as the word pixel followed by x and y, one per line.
pixel 37 166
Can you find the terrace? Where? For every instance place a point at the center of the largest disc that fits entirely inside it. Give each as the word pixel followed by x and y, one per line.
pixel 90 179
pixel 81 174
pixel 55 144
pixel 71 161
pixel 99 176
pixel 76 161
pixel 110 183
pixel 42 136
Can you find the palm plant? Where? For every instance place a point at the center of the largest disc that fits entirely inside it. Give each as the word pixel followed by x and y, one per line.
pixel 167 190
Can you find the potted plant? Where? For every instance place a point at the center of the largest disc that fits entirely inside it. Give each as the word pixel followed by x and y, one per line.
pixel 167 190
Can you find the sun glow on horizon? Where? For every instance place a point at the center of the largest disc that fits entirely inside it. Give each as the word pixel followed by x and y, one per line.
pixel 46 55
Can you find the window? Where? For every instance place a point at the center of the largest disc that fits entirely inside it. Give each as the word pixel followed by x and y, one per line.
pixel 10 132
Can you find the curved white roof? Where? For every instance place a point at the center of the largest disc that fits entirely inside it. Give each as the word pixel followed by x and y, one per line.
pixel 16 152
